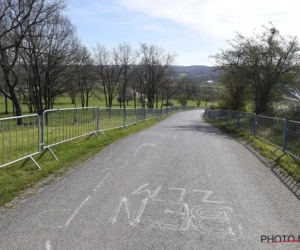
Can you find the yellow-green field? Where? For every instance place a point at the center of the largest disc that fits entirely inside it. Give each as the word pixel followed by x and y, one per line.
pixel 65 102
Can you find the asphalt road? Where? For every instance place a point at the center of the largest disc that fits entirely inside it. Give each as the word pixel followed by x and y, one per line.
pixel 182 184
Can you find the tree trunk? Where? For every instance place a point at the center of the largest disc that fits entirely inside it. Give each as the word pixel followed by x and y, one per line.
pixel 82 99
pixel 87 99
pixel 17 105
pixel 162 101
pixel 134 97
pixel 6 107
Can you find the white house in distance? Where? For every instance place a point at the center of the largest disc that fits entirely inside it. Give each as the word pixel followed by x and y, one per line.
pixel 210 81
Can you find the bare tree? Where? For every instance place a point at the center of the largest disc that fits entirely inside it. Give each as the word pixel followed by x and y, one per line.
pixel 16 18
pixel 170 86
pixel 140 84
pixel 85 74
pixel 155 62
pixel 127 59
pixel 49 56
pixel 109 70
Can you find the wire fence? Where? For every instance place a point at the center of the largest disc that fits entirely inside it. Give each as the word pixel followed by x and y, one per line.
pixel 19 142
pixel 282 134
pixel 141 114
pixel 246 121
pixel 111 118
pixel 62 125
pixel 131 117
pixel 293 139
pixel 271 130
pixel 22 137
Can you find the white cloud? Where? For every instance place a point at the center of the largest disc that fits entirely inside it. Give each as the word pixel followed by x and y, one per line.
pixel 220 18
pixel 194 29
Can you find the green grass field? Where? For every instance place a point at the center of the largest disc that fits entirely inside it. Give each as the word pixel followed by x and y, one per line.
pixel 65 102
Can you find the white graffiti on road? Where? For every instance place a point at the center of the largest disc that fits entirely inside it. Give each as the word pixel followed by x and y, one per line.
pixel 209 216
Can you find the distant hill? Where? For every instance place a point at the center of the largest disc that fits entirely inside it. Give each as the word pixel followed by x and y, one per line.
pixel 198 73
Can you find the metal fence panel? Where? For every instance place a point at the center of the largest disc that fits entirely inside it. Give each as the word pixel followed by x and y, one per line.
pixel 247 121
pixel 149 114
pixel 209 114
pixel 217 115
pixel 131 117
pixel 271 130
pixel 19 142
pixel 141 114
pixel 293 139
pixel 222 116
pixel 159 113
pixel 61 125
pixel 154 113
pixel 165 111
pixel 233 118
pixel 111 118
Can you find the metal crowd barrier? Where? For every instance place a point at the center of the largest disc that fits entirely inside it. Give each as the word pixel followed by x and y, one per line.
pixel 111 118
pixel 149 114
pixel 19 142
pixel 293 139
pixel 233 118
pixel 271 130
pixel 223 116
pixel 242 120
pixel 247 122
pixel 158 113
pixel 38 134
pixel 282 134
pixel 154 113
pixel 62 125
pixel 141 114
pixel 131 116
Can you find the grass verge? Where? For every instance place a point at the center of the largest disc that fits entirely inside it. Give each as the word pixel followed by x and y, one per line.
pixel 291 166
pixel 22 181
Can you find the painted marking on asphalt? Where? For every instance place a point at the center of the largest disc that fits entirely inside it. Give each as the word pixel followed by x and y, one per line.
pixel 126 163
pixel 48 245
pixel 139 190
pixel 183 192
pixel 147 144
pixel 207 194
pixel 136 151
pixel 132 221
pixel 204 178
pixel 240 228
pixel 53 217
pixel 171 137
pixel 102 182
pixel 211 218
pixel 77 210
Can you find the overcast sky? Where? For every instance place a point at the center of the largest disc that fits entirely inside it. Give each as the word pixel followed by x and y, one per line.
pixel 193 29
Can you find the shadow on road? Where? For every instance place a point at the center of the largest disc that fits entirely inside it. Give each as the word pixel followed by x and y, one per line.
pixel 202 128
pixel 289 181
